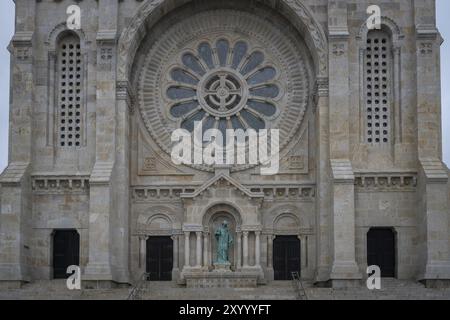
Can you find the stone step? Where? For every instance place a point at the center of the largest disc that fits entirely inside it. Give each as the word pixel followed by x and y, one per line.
pixel 391 289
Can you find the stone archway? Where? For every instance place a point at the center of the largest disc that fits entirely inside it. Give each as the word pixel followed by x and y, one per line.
pixel 152 11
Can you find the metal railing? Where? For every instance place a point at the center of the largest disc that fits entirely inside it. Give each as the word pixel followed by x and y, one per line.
pixel 139 288
pixel 298 286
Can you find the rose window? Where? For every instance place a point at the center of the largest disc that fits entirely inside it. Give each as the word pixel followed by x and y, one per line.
pixel 224 86
pixel 226 69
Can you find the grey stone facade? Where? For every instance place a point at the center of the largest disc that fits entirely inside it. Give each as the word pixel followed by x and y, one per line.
pixel 117 185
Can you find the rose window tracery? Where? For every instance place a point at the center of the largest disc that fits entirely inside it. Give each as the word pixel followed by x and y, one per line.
pixel 227 69
pixel 223 85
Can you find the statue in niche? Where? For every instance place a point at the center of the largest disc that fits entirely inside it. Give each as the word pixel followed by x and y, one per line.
pixel 224 243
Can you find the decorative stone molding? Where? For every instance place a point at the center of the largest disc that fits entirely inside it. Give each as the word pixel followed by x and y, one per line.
pixel 125 92
pixel 387 22
pixel 192 228
pixel 386 182
pixel 223 180
pixel 21 47
pixel 101 174
pixel 302 193
pixel 60 184
pixel 59 30
pixel 426 48
pixel 178 83
pixel 338 49
pixel 145 194
pixel 300 14
pixel 342 171
pixel 14 173
pixel 435 171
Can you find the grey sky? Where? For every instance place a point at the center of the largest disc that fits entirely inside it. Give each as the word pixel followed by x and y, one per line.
pixel 7 30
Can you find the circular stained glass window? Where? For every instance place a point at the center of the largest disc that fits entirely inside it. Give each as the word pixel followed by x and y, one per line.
pixel 223 85
pixel 226 69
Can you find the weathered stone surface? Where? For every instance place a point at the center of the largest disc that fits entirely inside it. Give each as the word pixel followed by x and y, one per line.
pixel 358 113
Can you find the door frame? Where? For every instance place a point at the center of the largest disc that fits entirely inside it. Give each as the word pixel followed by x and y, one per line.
pixel 52 249
pixel 395 234
pixel 146 265
pixel 300 253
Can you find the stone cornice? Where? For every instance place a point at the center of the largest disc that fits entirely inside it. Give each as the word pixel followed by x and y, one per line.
pixel 101 174
pixel 109 37
pixel 342 171
pixel 60 184
pixel 434 169
pixel 14 173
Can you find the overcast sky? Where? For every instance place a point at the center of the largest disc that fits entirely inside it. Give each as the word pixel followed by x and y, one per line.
pixel 7 29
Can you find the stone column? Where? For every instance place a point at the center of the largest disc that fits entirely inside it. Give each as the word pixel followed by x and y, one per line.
pixel 258 249
pixel 175 252
pixel 205 250
pixel 270 250
pixel 323 203
pixel 303 252
pixel 142 251
pixel 239 250
pixel 245 249
pixel 199 250
pixel 187 253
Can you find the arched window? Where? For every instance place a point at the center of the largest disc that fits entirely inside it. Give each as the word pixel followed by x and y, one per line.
pixel 378 87
pixel 69 92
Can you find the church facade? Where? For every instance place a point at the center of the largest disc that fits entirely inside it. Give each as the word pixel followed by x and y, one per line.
pixel 91 181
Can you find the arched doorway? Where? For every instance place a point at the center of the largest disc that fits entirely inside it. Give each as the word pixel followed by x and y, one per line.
pixel 286 257
pixel 66 252
pixel 381 247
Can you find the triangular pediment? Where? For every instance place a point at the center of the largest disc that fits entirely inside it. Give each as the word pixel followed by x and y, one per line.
pixel 223 179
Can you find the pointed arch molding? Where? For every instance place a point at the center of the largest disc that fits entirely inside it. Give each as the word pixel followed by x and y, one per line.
pixel 152 10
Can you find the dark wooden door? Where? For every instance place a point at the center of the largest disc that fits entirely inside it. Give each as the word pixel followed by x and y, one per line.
pixel 286 257
pixel 160 258
pixel 381 250
pixel 66 252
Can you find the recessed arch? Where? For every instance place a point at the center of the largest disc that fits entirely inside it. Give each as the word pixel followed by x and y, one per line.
pixel 286 223
pixel 150 12
pixel 221 207
pixel 159 220
pixel 388 25
pixel 60 31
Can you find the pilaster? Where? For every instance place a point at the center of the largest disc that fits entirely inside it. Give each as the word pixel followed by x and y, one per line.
pixel 15 197
pixel 433 177
pixel 108 237
pixel 344 268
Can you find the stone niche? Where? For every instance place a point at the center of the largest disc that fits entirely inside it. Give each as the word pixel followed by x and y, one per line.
pixel 222 199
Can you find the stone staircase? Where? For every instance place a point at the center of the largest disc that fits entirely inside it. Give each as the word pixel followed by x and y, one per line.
pixel 282 290
pixel 392 289
pixel 57 290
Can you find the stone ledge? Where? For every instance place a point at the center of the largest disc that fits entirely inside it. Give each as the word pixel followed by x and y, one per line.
pixel 342 171
pixel 14 173
pixel 434 169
